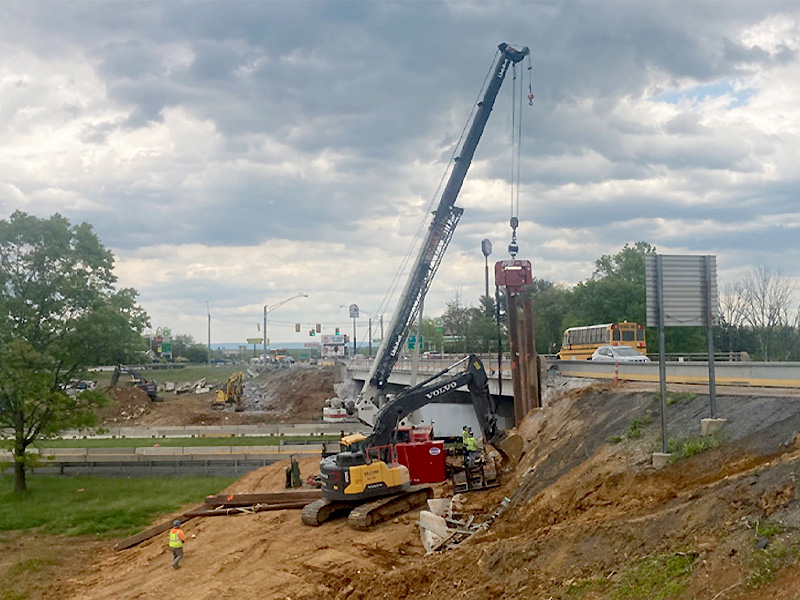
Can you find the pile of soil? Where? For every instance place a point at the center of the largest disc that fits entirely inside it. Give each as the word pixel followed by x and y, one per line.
pixel 128 405
pixel 295 395
pixel 586 510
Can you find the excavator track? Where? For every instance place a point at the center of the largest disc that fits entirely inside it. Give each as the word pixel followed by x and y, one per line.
pixel 319 511
pixel 366 515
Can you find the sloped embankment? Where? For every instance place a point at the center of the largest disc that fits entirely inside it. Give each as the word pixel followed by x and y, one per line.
pixel 588 518
pixel 592 519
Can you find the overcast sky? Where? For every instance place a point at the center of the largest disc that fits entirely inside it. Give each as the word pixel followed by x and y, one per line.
pixel 233 154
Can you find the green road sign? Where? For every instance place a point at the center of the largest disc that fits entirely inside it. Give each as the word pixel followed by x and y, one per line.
pixel 412 339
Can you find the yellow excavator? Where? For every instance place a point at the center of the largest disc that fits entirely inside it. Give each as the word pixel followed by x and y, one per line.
pixel 231 395
pixel 365 478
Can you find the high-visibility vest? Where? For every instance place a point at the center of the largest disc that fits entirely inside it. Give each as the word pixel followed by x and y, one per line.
pixel 464 437
pixel 471 445
pixel 174 540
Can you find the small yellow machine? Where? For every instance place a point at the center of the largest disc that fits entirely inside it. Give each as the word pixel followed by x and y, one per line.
pixel 232 394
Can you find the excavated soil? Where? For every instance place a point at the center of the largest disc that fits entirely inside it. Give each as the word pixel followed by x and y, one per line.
pixel 294 395
pixel 586 512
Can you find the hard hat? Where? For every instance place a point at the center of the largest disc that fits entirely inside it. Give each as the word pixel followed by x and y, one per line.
pixel 176 523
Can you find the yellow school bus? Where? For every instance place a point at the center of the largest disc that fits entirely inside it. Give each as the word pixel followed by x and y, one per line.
pixel 580 342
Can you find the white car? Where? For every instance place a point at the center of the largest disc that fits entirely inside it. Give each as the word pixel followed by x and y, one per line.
pixel 615 354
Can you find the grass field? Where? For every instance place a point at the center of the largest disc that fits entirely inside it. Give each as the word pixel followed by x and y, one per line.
pixel 99 506
pixel 188 373
pixel 178 442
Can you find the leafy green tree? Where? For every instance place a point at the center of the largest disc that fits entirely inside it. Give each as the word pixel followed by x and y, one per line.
pixel 550 302
pixel 59 314
pixel 184 346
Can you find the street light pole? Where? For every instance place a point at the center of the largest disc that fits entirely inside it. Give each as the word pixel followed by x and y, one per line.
pixel 486 248
pixel 267 308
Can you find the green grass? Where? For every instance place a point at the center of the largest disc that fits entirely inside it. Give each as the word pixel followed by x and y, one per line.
pixel 101 506
pixel 31 565
pixel 636 426
pixel 767 562
pixel 655 577
pixel 178 442
pixel 677 397
pixel 681 448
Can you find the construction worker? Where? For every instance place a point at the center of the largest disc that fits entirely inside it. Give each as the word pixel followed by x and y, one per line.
pixel 176 540
pixel 464 436
pixel 471 449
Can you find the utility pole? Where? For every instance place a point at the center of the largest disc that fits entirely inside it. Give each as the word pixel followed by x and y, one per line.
pixel 267 308
pixel 208 310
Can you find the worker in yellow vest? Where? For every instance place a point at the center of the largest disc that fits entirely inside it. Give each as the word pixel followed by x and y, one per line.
pixel 176 540
pixel 471 447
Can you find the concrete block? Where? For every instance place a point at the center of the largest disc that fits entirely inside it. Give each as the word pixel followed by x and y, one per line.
pixel 158 451
pixel 661 459
pixel 66 451
pixel 255 449
pixel 207 450
pixel 711 426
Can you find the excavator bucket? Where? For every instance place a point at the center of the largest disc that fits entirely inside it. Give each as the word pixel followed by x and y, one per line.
pixel 510 446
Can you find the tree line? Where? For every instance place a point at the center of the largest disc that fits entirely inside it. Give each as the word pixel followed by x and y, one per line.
pixel 758 314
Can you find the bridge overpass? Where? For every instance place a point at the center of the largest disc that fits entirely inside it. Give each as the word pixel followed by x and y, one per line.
pixel 742 373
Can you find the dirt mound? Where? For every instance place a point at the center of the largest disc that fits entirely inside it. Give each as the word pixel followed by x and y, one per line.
pixel 128 404
pixel 291 396
pixel 294 395
pixel 588 518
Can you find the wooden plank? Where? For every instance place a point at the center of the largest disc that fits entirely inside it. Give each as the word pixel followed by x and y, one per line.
pixel 133 540
pixel 228 504
pixel 243 510
pixel 262 498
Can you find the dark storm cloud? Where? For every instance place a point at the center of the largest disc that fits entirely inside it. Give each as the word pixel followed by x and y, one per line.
pixel 381 85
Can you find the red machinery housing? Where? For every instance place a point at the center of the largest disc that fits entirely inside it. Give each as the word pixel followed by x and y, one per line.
pixel 423 456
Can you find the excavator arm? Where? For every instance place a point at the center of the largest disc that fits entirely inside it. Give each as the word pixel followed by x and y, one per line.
pixel 435 388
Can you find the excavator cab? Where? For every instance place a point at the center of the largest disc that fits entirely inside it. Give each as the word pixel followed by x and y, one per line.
pixel 358 473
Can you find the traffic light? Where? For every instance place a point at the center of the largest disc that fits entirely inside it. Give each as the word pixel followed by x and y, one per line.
pixel 337 331
pixel 297 327
pixel 311 332
pixel 319 328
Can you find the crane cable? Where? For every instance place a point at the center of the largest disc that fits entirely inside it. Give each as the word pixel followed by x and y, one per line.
pixel 516 151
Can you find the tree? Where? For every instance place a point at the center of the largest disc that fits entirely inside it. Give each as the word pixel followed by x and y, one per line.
pixel 550 303
pixel 59 314
pixel 764 300
pixel 616 290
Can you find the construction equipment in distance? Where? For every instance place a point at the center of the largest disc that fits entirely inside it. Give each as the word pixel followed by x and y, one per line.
pixel 136 380
pixel 367 480
pixel 231 395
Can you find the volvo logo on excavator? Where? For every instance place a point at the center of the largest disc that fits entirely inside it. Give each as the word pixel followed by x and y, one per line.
pixel 445 388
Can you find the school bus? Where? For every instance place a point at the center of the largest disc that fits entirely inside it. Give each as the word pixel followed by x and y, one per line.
pixel 580 342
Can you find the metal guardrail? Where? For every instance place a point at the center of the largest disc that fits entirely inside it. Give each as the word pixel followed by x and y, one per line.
pixel 179 460
pixel 757 374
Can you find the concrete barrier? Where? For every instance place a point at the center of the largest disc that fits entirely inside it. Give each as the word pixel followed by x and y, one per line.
pixel 110 451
